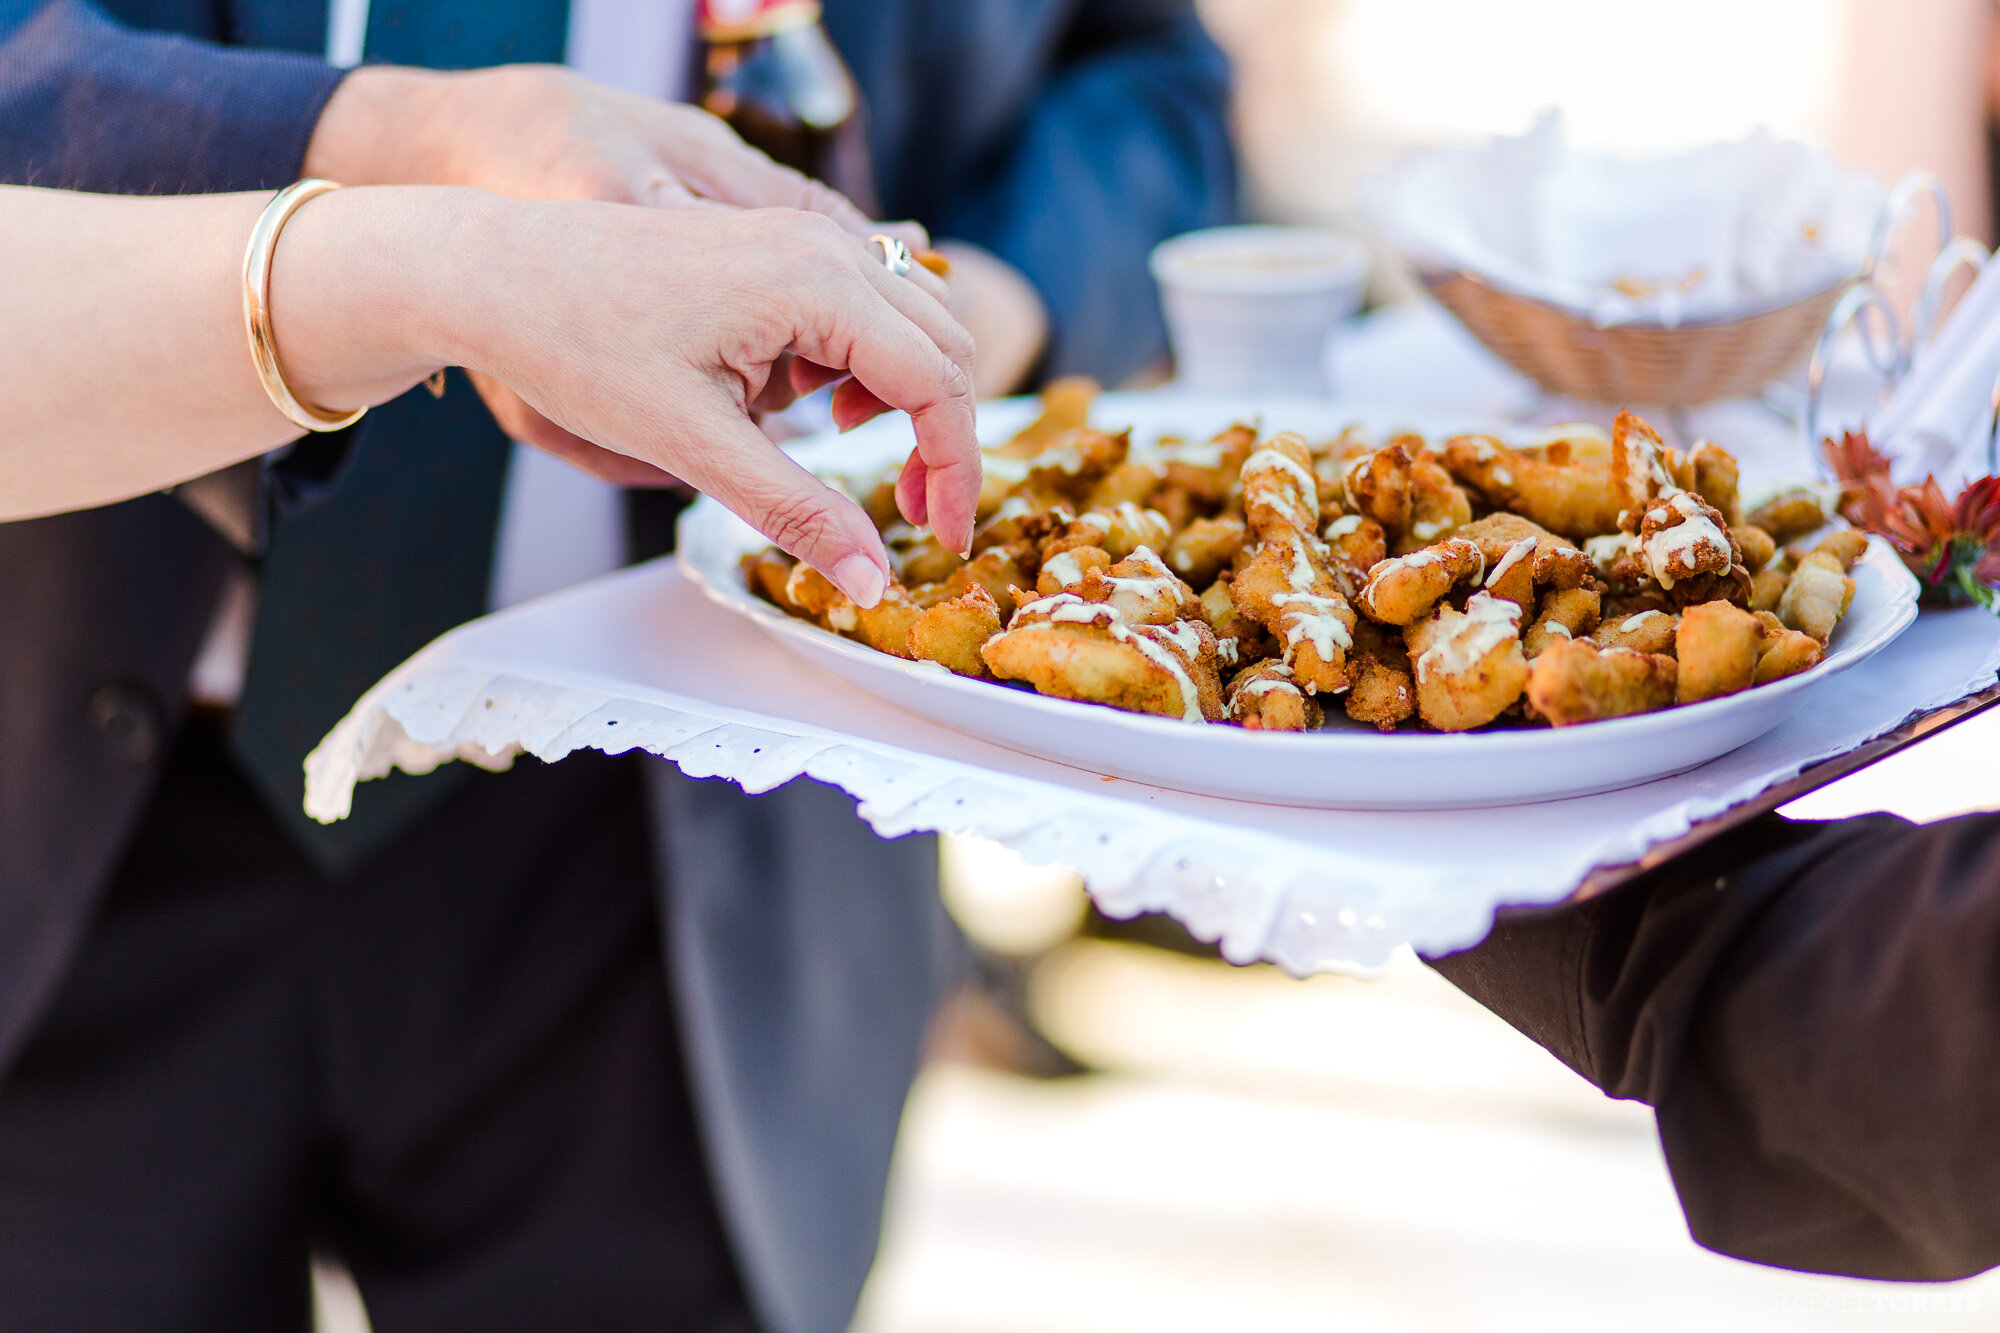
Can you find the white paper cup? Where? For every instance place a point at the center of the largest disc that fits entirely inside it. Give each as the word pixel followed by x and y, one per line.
pixel 1251 308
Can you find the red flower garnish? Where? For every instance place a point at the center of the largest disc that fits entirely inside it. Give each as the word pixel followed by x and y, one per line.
pixel 1949 544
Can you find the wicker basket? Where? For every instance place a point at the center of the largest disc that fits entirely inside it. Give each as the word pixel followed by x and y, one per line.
pixel 1629 365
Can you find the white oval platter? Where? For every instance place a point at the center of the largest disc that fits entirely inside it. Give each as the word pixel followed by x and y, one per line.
pixel 1343 766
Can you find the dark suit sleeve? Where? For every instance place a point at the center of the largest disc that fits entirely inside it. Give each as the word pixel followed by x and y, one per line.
pixel 1813 1010
pixel 1126 145
pixel 88 105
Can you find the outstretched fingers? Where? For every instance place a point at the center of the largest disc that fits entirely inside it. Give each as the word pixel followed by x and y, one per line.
pixel 766 489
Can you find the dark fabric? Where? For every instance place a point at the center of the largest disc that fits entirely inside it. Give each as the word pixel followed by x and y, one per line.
pixel 398 554
pixel 1813 1010
pixel 87 105
pixel 87 705
pixel 458 1069
pixel 1067 136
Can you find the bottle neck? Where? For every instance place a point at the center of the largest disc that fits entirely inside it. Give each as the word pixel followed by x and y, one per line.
pixel 728 21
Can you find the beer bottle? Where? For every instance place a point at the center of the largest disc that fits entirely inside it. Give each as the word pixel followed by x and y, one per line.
pixel 772 73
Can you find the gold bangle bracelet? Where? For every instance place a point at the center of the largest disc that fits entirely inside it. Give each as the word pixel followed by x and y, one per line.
pixel 257 307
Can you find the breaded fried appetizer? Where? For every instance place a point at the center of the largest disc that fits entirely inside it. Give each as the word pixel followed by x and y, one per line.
pixel 1073 649
pixel 1384 692
pixel 1816 597
pixel 1204 548
pixel 1142 590
pixel 1288 589
pixel 885 626
pixel 1572 498
pixel 1403 589
pixel 1469 664
pixel 1789 515
pixel 1718 646
pixel 1681 538
pixel 1564 613
pixel 1266 697
pixel 999 570
pixel 1065 570
pixel 1647 631
pixel 952 632
pixel 1356 545
pixel 1576 681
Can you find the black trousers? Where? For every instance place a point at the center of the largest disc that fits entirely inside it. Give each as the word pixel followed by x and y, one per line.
pixel 457 1069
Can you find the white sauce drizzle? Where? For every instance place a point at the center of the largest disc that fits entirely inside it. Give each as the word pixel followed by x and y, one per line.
pixel 1345 525
pixel 1487 623
pixel 1064 568
pixel 1515 554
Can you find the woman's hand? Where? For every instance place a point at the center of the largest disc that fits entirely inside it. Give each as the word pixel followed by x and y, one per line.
pixel 545 132
pixel 653 334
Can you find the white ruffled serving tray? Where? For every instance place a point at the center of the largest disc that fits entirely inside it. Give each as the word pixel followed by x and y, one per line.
pixel 642 660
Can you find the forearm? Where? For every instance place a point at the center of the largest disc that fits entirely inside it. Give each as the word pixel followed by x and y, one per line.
pixel 1811 1010
pixel 126 367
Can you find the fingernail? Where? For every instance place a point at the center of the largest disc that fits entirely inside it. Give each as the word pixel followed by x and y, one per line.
pixel 858 577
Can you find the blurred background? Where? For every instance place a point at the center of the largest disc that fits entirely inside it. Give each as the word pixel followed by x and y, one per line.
pixel 1121 1132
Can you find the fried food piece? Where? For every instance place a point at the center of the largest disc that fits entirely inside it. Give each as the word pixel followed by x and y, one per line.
pixel 1204 548
pixel 1681 538
pixel 1280 495
pixel 1384 693
pixel 1552 561
pixel 1072 649
pixel 1128 483
pixel 1817 596
pixel 918 557
pixel 885 626
pixel 1767 588
pixel 811 591
pixel 1786 652
pixel 1074 462
pixel 1289 589
pixel 1355 545
pixel 999 570
pixel 1399 486
pixel 1118 531
pixel 767 572
pixel 1789 515
pixel 1266 697
pixel 1142 590
pixel 1565 613
pixel 1469 664
pixel 1065 408
pixel 1239 640
pixel 1718 646
pixel 1617 560
pixel 1645 631
pixel 952 632
pixel 1064 570
pixel 1572 498
pixel 1513 575
pixel 1205 473
pixel 1712 473
pixel 1846 545
pixel 1578 682
pixel 1638 465
pixel 1402 589
pixel 1757 546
